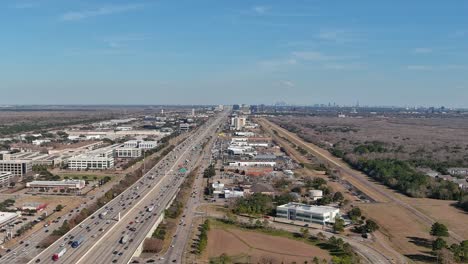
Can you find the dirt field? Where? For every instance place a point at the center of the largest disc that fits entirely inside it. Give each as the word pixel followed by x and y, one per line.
pixel 256 247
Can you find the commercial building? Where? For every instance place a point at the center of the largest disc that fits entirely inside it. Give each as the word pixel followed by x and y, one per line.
pixel 238 123
pixel 36 158
pixel 308 213
pixel 18 168
pixel 458 171
pixel 141 144
pixel 252 163
pixel 34 206
pixel 128 152
pixel 98 159
pixel 7 218
pixel 73 185
pixel 6 178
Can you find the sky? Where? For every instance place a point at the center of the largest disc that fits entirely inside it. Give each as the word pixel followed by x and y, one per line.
pixel 399 52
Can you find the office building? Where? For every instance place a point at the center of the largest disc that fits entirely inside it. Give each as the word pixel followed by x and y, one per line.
pixel 18 168
pixel 6 178
pixel 308 213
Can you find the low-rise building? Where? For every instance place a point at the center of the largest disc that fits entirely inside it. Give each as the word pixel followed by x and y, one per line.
pixel 315 194
pixel 458 171
pixel 252 163
pixel 98 159
pixel 34 206
pixel 6 178
pixel 7 218
pixel 308 213
pixel 74 185
pixel 128 152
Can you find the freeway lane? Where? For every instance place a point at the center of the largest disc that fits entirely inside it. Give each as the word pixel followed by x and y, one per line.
pixel 129 203
pixel 103 249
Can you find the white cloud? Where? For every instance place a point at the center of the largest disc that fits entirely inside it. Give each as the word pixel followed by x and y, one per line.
pixel 338 36
pixel 260 10
pixel 422 50
pixel 419 67
pixel 312 56
pixel 108 10
pixel 287 83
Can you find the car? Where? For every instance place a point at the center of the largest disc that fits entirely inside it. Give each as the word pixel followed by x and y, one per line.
pixel 100 229
pixel 21 242
pixel 114 261
pixel 115 252
pixel 47 231
pixel 38 260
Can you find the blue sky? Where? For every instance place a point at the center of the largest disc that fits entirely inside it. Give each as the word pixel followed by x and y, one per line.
pixel 219 51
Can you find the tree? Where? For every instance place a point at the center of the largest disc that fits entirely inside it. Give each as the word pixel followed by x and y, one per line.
pixel 439 244
pixel 338 197
pixel 304 232
pixel 355 214
pixel 338 226
pixel 439 230
pixel 59 208
pixel 371 226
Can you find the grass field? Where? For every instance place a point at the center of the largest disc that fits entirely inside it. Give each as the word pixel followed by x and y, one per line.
pixel 257 246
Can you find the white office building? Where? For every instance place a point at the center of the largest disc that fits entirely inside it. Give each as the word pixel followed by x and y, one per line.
pixel 238 123
pixel 6 178
pixel 128 152
pixel 140 144
pixel 65 184
pixel 98 159
pixel 18 168
pixel 308 213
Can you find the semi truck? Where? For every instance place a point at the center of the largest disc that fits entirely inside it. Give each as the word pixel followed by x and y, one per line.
pixel 103 214
pixel 124 239
pixel 59 254
pixel 77 242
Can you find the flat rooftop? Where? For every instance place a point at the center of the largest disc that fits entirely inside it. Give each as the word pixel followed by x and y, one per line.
pixel 309 208
pixel 6 216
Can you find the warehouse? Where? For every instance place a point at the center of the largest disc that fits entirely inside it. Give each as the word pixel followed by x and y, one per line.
pixel 308 213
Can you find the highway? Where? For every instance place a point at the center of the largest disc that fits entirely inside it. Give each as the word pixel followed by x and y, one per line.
pixel 156 189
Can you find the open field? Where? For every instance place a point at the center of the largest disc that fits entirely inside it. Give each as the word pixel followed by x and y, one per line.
pixel 404 227
pixel 427 139
pixel 257 247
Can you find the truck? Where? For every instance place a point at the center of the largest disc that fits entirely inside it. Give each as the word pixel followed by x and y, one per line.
pixel 59 254
pixel 103 214
pixel 77 242
pixel 150 208
pixel 124 239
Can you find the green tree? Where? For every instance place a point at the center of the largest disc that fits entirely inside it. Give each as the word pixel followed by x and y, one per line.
pixel 439 230
pixel 371 226
pixel 338 226
pixel 439 244
pixel 304 232
pixel 58 208
pixel 338 197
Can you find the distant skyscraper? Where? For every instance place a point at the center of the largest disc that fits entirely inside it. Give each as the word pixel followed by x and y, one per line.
pixel 193 111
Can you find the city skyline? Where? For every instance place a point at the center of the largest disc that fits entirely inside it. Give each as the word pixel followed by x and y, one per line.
pixel 256 52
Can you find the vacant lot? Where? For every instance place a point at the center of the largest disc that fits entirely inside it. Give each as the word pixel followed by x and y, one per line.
pixel 257 247
pixel 433 139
